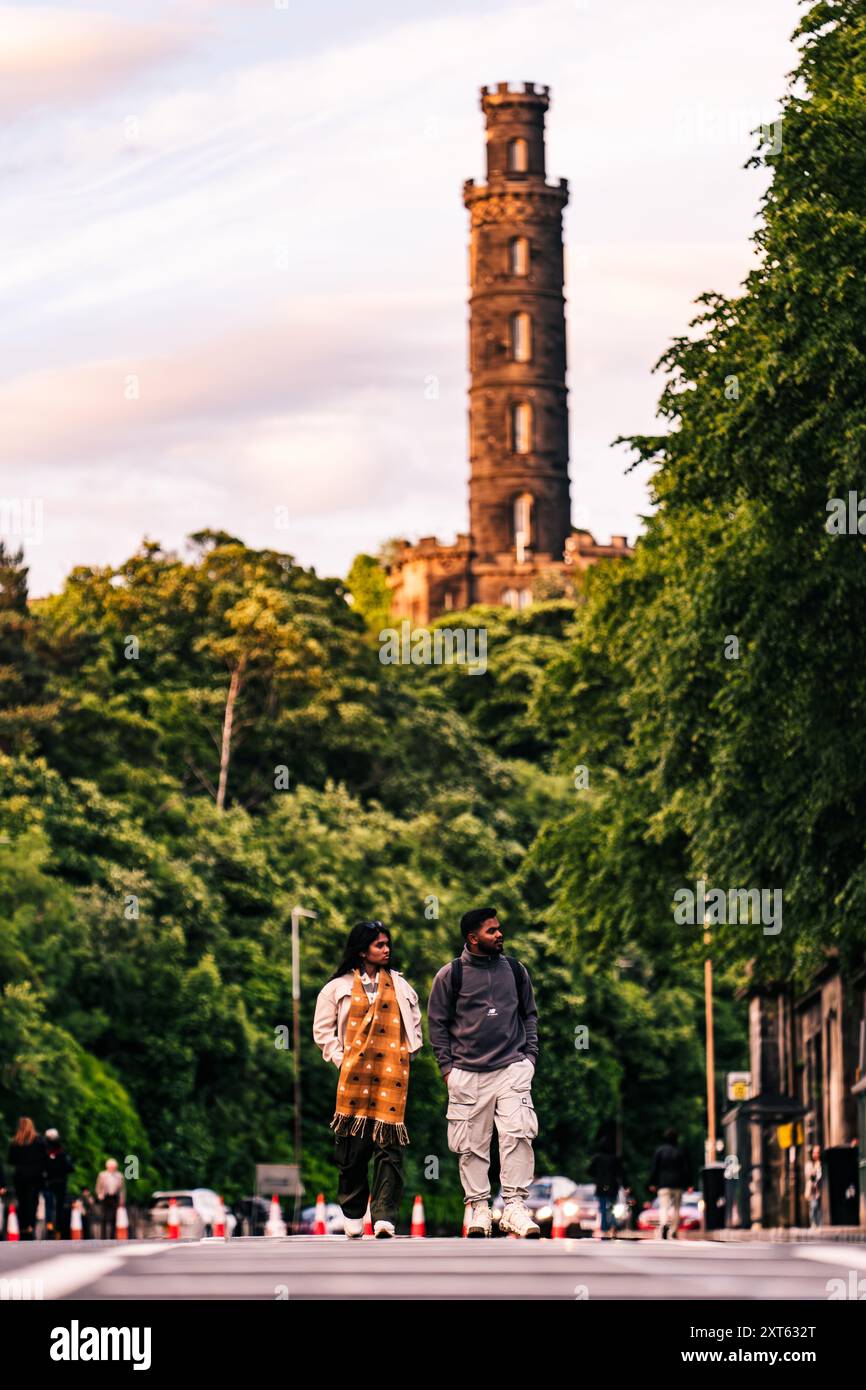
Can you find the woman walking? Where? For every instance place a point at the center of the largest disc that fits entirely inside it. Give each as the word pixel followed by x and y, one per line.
pixel 368 1024
pixel 27 1157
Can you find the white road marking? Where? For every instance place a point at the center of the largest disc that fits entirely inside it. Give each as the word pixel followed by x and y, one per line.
pixel 66 1273
pixel 841 1252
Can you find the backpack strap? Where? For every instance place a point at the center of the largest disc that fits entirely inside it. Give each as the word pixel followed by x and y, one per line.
pixel 457 984
pixel 518 983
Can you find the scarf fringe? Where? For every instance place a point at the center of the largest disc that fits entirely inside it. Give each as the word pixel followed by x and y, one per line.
pixel 383 1131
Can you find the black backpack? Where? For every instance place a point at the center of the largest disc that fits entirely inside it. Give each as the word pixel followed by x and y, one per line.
pixel 457 983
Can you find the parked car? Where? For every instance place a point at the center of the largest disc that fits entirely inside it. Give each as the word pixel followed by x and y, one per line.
pixel 691 1213
pixel 197 1212
pixel 333 1220
pixel 577 1203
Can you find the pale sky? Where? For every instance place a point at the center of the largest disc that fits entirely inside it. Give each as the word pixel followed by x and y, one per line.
pixel 234 252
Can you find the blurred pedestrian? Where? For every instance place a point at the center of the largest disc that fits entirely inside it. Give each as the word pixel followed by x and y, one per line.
pixel 58 1166
pixel 368 1024
pixel 88 1214
pixel 608 1173
pixel 814 1174
pixel 110 1188
pixel 27 1161
pixel 669 1177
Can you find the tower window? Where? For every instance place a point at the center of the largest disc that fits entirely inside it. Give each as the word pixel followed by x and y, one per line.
pixel 518 255
pixel 522 524
pixel 521 427
pixel 518 156
pixel 521 337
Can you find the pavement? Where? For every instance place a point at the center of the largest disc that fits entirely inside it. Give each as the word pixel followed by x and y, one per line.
pixel 330 1267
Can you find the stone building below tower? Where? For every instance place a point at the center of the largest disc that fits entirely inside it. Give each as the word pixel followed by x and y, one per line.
pixel 519 496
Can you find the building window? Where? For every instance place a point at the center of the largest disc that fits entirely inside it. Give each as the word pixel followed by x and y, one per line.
pixel 524 598
pixel 511 598
pixel 522 524
pixel 449 601
pixel 518 255
pixel 521 427
pixel 521 337
pixel 518 156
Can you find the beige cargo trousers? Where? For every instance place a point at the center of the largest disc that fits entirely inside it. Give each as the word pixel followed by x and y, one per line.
pixel 476 1101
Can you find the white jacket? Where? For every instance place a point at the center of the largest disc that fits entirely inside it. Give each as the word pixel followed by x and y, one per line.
pixel 332 1011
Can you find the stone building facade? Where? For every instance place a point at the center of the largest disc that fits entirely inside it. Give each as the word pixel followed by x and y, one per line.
pixel 519 494
pixel 807 1056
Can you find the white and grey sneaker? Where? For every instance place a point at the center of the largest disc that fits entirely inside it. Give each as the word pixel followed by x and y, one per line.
pixel 383 1229
pixel 479 1222
pixel 516 1220
pixel 353 1227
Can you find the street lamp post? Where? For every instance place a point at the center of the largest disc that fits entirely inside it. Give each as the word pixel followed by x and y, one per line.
pixel 297 914
pixel 711 1049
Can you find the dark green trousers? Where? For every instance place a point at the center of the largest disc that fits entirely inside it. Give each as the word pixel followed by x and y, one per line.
pixel 353 1155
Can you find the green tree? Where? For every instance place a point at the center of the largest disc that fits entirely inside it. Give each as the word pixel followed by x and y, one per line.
pixel 370 595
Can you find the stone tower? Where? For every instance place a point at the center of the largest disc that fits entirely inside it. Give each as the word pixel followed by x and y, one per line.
pixel 520 534
pixel 519 503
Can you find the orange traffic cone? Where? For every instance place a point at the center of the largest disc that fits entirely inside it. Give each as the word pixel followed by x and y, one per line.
pixel 557 1224
pixel 419 1221
pixel 75 1222
pixel 320 1225
pixel 121 1224
pixel 219 1226
pixel 172 1226
pixel 12 1232
pixel 463 1232
pixel 368 1222
pixel 276 1225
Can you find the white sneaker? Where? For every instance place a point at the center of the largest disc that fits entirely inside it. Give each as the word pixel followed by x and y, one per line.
pixel 516 1220
pixel 353 1226
pixel 383 1228
pixel 480 1220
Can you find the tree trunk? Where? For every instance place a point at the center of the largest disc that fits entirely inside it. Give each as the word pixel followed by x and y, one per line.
pixel 226 751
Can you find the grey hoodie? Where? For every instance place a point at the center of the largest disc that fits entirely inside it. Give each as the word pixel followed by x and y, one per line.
pixel 487 1032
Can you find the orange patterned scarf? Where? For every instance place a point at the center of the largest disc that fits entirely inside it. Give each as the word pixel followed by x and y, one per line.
pixel 374 1075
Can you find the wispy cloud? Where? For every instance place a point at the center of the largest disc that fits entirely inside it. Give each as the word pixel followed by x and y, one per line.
pixel 50 55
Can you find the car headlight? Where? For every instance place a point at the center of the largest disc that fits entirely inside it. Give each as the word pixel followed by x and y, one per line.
pixel 620 1209
pixel 544 1213
pixel 569 1208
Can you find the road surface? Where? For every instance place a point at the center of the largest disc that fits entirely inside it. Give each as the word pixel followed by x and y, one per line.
pixel 329 1267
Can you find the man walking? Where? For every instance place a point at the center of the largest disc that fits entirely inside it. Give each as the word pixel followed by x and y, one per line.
pixel 484 1032
pixel 669 1176
pixel 607 1171
pixel 110 1193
